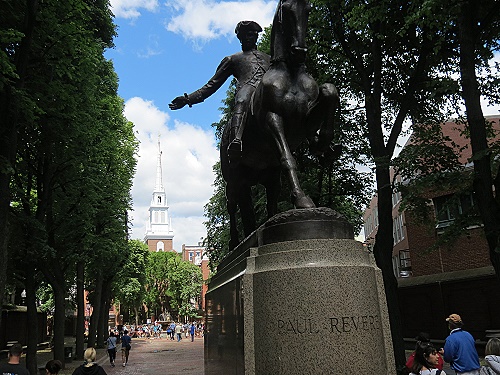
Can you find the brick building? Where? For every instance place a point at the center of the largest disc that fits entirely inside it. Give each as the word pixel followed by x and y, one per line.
pixel 453 278
pixel 198 256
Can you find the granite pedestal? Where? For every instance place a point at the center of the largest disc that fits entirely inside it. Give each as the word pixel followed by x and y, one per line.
pixel 299 296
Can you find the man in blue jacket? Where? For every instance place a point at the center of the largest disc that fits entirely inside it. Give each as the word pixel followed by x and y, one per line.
pixel 460 349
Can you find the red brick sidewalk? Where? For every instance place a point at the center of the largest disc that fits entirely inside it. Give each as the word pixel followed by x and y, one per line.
pixel 152 357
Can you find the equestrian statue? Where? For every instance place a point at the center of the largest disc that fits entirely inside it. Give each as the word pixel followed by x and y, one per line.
pixel 278 107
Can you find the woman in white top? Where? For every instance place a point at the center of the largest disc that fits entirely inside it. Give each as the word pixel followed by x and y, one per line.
pixel 426 359
pixel 492 358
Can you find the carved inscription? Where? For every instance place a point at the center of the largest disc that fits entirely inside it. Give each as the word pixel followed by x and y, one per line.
pixel 336 325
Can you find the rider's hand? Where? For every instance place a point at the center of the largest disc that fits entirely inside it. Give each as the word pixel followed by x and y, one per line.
pixel 178 102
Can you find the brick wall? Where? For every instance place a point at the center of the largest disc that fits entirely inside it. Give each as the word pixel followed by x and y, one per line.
pixel 469 251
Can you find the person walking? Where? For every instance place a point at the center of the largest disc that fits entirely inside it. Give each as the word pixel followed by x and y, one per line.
pixel 126 346
pixel 172 331
pixel 13 366
pixel 111 346
pixel 178 331
pixel 192 330
pixel 53 367
pixel 89 367
pixel 460 349
pixel 492 358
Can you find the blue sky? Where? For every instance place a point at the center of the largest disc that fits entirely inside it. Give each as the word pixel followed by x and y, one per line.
pixel 163 49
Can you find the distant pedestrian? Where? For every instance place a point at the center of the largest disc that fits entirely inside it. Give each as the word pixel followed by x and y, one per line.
pixel 53 367
pixel 126 346
pixel 172 331
pixel 111 346
pixel 492 358
pixel 13 366
pixel 89 367
pixel 192 331
pixel 426 360
pixel 423 337
pixel 178 331
pixel 460 349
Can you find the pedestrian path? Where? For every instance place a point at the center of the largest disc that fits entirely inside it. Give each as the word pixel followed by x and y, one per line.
pixel 148 356
pixel 160 357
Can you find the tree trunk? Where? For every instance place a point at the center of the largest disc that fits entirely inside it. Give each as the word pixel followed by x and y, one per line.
pixel 102 327
pixel 96 311
pixel 383 256
pixel 32 319
pixel 59 320
pixel 483 180
pixel 80 306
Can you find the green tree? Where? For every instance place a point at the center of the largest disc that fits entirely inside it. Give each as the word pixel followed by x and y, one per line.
pixel 158 294
pixel 69 150
pixel 185 286
pixel 474 30
pixel 382 53
pixel 129 285
pixel 172 284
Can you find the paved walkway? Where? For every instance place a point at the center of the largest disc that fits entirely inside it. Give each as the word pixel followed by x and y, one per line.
pixel 160 357
pixel 153 357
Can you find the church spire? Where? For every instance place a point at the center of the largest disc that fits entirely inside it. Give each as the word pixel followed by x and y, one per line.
pixel 159 233
pixel 159 179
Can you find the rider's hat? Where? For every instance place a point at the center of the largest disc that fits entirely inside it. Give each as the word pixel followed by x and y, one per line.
pixel 243 26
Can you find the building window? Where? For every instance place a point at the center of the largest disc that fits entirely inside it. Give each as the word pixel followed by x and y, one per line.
pixel 397 229
pixel 448 207
pixel 371 222
pixel 401 264
pixel 396 197
pixel 191 256
pixel 162 217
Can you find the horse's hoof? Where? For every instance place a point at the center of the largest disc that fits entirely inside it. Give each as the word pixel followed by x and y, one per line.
pixel 304 202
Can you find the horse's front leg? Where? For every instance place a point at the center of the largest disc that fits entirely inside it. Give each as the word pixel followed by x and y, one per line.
pixel 246 208
pixel 299 198
pixel 321 122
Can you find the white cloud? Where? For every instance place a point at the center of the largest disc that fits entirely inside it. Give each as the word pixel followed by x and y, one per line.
pixel 209 19
pixel 130 8
pixel 188 155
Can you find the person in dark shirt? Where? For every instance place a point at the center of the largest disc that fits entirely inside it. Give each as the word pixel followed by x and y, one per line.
pixel 126 340
pixel 13 366
pixel 89 367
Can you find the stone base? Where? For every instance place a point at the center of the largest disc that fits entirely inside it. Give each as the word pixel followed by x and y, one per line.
pixel 299 306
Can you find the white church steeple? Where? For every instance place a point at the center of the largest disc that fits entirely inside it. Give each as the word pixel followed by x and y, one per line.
pixel 159 233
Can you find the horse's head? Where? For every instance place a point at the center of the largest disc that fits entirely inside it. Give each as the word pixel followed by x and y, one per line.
pixel 293 16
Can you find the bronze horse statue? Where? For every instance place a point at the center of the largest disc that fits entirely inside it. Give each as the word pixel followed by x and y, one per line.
pixel 288 107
